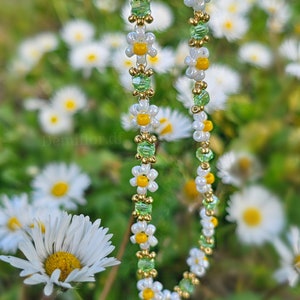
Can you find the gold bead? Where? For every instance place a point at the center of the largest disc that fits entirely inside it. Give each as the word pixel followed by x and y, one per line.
pixel 132 18
pixel 205 165
pixel 208 251
pixel 140 21
pixel 150 92
pixel 209 212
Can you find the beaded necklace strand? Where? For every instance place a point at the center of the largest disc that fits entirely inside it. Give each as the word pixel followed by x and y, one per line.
pixel 140 45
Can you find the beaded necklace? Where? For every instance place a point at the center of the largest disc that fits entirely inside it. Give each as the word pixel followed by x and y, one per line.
pixel 141 45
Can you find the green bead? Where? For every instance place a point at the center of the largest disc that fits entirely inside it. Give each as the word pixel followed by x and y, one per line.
pixel 203 242
pixel 211 205
pixel 146 149
pixel 140 8
pixel 141 82
pixel 186 285
pixel 204 157
pixel 146 264
pixel 143 208
pixel 202 98
pixel 199 31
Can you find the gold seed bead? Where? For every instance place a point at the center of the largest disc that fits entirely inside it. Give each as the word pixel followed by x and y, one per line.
pixel 149 72
pixel 140 21
pixel 205 144
pixel 196 109
pixel 133 71
pixel 153 273
pixel 132 18
pixel 150 93
pixel 141 69
pixel 135 93
pixel 205 165
pixel 209 212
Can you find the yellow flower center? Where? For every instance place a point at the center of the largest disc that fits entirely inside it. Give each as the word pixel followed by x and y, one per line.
pixel 202 63
pixel 141 237
pixel 154 59
pixel 70 104
pixel 168 128
pixel 208 125
pixel 190 189
pixel 142 181
pixel 297 261
pixel 59 189
pixel 254 57
pixel 78 36
pixel 228 25
pixel 64 261
pixel 232 8
pixel 140 48
pixel 13 224
pixel 252 216
pixel 244 163
pixel 127 63
pixel 92 57
pixel 41 226
pixel 148 294
pixel 143 119
pixel 54 119
pixel 210 178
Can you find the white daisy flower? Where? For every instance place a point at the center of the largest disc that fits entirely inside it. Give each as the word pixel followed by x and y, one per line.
pixel 234 7
pixel 143 234
pixel 197 63
pixel 197 262
pixel 30 51
pixel 168 295
pixel 173 125
pixel 256 54
pixel 149 289
pixel 144 178
pixel 144 115
pixel 230 26
pixel 54 121
pixel 293 69
pixel 106 5
pixel 125 80
pixel 184 87
pixel 258 214
pixel 140 44
pixel 290 258
pixel 69 99
pixel 72 250
pixel 34 103
pixel 19 67
pixel 77 32
pixel 15 217
pixel 126 121
pixel 88 56
pixel 60 185
pixel 47 40
pixel 238 168
pixel 121 62
pixel 114 40
pixel 181 52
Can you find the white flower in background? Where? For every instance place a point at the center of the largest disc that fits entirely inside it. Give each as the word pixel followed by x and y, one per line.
pixel 230 26
pixel 71 250
pixel 258 215
pixel 126 121
pixel 140 44
pixel 238 168
pixel 197 62
pixel 181 52
pixel 126 81
pixel 19 67
pixel 163 61
pixel 184 87
pixel 144 115
pixel 54 121
pixel 161 13
pixel 168 295
pixel 173 125
pixel 144 178
pixel 234 7
pixel 121 62
pixel 256 54
pixel 35 103
pixel 77 32
pixel 47 40
pixel 30 51
pixel 88 56
pixel 106 5
pixel 69 99
pixel 15 217
pixel 149 289
pixel 290 258
pixel 114 40
pixel 60 185
pixel 143 234
pixel 197 262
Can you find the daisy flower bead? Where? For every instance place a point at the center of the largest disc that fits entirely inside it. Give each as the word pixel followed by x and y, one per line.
pixel 202 127
pixel 143 234
pixel 197 261
pixel 144 115
pixel 290 258
pixel 196 4
pixel 140 44
pixel 197 63
pixel 149 289
pixel 208 223
pixel 168 295
pixel 204 180
pixel 144 178
pixel 72 249
pixel 60 185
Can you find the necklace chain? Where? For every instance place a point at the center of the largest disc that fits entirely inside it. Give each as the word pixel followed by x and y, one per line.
pixel 141 45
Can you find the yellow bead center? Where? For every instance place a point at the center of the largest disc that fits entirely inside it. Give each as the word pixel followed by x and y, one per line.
pixel 70 104
pixel 210 178
pixel 141 237
pixel 140 48
pixel 190 189
pixel 64 261
pixel 168 128
pixel 54 119
pixel 252 216
pixel 214 221
pixel 13 224
pixel 208 125
pixel 148 294
pixel 143 119
pixel 92 57
pixel 142 181
pixel 202 63
pixel 59 189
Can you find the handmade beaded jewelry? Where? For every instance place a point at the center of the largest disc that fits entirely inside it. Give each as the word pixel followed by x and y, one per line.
pixel 141 44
